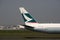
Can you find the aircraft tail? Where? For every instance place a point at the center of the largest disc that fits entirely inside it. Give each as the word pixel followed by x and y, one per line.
pixel 26 16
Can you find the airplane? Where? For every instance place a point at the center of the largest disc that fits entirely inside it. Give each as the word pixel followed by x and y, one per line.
pixel 31 24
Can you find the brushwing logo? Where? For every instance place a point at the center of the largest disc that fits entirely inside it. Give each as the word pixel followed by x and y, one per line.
pixel 27 18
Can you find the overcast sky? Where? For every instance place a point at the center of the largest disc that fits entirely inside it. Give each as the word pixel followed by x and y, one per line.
pixel 42 11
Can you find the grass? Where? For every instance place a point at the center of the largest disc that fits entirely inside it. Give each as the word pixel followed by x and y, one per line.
pixel 25 34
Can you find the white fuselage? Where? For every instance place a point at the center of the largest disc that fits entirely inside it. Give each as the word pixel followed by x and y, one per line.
pixel 48 27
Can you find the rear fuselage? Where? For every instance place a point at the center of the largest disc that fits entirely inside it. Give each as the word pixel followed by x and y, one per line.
pixel 45 27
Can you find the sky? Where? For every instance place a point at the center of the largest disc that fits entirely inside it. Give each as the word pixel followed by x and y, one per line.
pixel 44 11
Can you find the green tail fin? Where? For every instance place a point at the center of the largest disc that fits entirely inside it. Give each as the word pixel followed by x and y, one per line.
pixel 26 16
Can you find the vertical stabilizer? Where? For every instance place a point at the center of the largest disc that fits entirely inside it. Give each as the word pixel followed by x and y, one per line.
pixel 26 16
